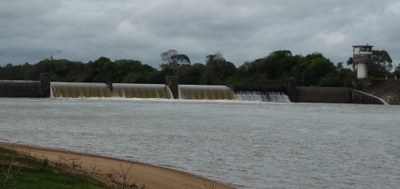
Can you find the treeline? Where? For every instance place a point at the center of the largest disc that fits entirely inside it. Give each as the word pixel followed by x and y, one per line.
pixel 100 70
pixel 272 70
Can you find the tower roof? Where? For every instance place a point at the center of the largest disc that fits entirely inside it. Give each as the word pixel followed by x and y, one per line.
pixel 367 45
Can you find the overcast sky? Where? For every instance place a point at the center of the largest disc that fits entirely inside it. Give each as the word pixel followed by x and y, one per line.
pixel 84 30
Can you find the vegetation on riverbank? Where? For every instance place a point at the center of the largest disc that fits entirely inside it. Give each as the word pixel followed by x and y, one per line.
pixel 20 171
pixel 25 171
pixel 272 70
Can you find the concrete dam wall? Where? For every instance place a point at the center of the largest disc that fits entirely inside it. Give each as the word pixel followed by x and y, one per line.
pixel 20 88
pixel 43 88
pixel 331 95
pixel 26 89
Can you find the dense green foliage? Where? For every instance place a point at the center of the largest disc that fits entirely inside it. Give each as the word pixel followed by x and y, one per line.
pixel 272 70
pixel 19 171
pixel 397 71
pixel 100 70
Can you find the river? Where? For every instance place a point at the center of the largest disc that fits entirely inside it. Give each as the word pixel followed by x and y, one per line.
pixel 248 145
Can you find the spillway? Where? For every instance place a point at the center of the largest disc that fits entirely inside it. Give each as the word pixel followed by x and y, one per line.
pixel 100 90
pixel 133 90
pixel 79 90
pixel 262 96
pixel 205 92
pixel 126 90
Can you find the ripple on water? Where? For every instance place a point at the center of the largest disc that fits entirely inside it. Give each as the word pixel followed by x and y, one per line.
pixel 249 145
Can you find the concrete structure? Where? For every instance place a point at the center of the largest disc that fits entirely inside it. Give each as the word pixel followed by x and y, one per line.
pixel 362 56
pixel 26 89
pixel 172 83
pixel 331 95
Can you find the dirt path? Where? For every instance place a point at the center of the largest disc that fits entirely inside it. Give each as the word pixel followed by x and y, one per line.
pixel 152 177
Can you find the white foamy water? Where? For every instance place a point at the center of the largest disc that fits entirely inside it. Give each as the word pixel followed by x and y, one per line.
pixel 248 145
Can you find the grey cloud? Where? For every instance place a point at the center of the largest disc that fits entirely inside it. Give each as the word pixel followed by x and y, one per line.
pixel 241 30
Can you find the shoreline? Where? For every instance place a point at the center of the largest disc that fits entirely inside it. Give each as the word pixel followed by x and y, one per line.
pixel 150 176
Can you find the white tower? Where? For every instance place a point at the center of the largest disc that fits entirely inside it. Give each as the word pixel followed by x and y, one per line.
pixel 362 56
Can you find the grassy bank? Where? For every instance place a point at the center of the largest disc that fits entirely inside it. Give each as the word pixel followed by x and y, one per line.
pixel 21 171
pixel 36 167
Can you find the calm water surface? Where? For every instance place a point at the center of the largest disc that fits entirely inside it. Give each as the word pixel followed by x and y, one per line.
pixel 248 145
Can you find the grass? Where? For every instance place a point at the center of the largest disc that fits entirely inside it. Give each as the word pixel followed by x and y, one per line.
pixel 42 178
pixel 20 171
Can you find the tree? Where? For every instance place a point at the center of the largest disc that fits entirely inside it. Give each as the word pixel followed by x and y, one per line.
pixel 172 61
pixel 397 70
pixel 191 74
pixel 217 69
pixel 339 66
pixel 11 72
pixel 351 62
pixel 132 71
pixel 166 56
pixel 310 69
pixel 101 70
pixel 382 58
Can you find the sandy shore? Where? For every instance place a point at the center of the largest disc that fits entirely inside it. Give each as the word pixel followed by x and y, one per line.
pixel 152 177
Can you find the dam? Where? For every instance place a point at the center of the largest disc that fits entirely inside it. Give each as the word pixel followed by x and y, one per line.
pixel 211 92
pixel 104 90
pixel 159 91
pixel 172 90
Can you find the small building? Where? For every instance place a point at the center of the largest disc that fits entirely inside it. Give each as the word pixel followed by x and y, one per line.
pixel 362 56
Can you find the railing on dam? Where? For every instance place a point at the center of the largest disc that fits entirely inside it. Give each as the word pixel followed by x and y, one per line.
pixel 360 97
pixel 332 95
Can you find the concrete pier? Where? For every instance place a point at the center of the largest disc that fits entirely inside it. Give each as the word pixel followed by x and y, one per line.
pixel 172 83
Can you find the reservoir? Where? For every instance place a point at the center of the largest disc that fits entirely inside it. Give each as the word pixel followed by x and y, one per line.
pixel 245 144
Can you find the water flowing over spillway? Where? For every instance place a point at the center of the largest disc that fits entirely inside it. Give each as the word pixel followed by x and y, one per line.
pixel 159 91
pixel 212 92
pixel 141 91
pixel 79 90
pixel 130 90
pixel 261 96
pixel 119 90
